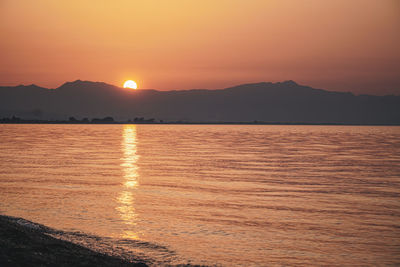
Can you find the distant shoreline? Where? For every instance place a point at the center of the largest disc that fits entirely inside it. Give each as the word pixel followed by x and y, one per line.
pixel 24 243
pixel 197 123
pixel 142 120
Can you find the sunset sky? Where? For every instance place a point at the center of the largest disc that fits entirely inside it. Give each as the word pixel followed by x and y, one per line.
pixel 344 45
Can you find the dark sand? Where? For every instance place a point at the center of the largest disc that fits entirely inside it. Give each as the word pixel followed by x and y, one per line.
pixel 23 243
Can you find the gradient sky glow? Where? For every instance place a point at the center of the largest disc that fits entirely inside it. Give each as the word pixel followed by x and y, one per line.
pixel 344 45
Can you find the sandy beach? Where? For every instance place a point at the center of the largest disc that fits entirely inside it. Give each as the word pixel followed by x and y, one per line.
pixel 23 243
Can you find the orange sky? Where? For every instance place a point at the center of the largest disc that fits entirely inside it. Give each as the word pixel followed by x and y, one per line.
pixel 347 45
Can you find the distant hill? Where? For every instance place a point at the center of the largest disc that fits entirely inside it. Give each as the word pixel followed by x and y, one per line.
pixel 268 102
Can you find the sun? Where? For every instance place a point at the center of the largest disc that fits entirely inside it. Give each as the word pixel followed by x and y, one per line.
pixel 130 84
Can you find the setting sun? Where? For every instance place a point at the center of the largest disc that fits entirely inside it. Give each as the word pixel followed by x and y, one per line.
pixel 130 84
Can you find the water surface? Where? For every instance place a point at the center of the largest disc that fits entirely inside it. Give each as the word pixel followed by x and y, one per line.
pixel 212 194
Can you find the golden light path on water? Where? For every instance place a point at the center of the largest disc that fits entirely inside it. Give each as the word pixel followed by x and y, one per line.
pixel 282 195
pixel 129 160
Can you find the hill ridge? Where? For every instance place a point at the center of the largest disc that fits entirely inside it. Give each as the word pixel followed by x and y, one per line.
pixel 285 101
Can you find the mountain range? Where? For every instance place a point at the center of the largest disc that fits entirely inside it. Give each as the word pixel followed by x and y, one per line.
pixel 281 102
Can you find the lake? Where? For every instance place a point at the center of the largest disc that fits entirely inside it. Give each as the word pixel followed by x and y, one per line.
pixel 243 195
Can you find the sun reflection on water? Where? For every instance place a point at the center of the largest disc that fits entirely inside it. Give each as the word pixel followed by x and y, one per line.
pixel 126 198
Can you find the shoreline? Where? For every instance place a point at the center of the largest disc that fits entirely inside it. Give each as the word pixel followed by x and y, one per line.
pixel 25 243
pixel 197 123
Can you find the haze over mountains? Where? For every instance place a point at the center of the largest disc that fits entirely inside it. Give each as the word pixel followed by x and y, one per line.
pixel 285 102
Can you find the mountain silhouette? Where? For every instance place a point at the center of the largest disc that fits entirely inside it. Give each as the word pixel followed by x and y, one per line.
pixel 286 102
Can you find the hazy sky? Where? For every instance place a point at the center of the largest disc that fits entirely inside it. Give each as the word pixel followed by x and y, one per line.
pixel 346 45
